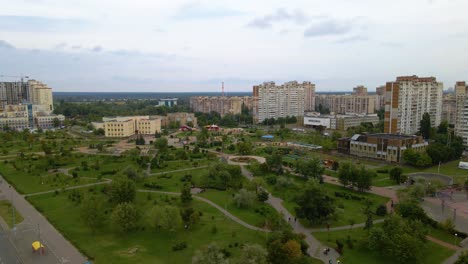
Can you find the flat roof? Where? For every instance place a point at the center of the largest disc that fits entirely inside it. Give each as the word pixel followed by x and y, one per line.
pixel 389 136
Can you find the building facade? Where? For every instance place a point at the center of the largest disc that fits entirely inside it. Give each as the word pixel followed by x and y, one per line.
pixel 220 104
pixel 348 103
pixel 28 116
pixel 179 119
pixel 309 93
pixel 127 126
pixel 407 99
pixel 461 113
pixel 449 108
pixel 274 101
pixel 387 147
pixel 32 91
pixel 169 102
pixel 340 122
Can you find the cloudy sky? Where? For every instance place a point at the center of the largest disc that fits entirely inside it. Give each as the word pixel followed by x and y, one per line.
pixel 177 45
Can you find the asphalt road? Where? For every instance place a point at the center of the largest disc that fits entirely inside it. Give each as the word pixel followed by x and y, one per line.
pixel 7 251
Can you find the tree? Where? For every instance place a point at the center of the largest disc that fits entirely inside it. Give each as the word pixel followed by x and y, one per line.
pixel 275 162
pixel 211 254
pixel 399 239
pixel 285 248
pixel 165 217
pixel 56 122
pixel 347 173
pixel 131 173
pixel 186 195
pixel 244 148
pixel 395 174
pixel 92 212
pixel 310 168
pixel 262 195
pixel 443 127
pixel 425 126
pixel 314 204
pixel 122 190
pixel 463 258
pixel 244 199
pixel 161 144
pixel 253 254
pixel 125 217
pixel 364 178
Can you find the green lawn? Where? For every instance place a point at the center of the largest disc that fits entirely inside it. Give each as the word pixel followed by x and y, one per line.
pixel 347 209
pixel 444 236
pixel 153 247
pixel 255 216
pixel 7 214
pixel 360 254
pixel 172 181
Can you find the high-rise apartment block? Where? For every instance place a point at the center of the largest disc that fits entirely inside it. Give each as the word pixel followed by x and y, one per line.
pixel 220 104
pixel 347 103
pixel 274 101
pixel 309 93
pixel 449 108
pixel 32 91
pixel 461 114
pixel 407 99
pixel 360 90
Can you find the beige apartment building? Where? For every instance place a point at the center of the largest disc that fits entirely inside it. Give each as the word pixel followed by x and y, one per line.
pixel 350 103
pixel 407 99
pixel 32 91
pixel 179 118
pixel 274 101
pixel 461 113
pixel 220 104
pixel 309 93
pixel 449 108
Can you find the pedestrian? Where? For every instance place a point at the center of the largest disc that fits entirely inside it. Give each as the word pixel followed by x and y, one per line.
pixel 289 219
pixel 295 219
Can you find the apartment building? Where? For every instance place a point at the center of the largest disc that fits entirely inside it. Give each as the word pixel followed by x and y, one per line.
pixel 220 104
pixel 340 122
pixel 461 113
pixel 348 103
pixel 309 93
pixel 21 116
pixel 407 99
pixel 32 91
pixel 449 108
pixel 274 101
pixel 380 97
pixel 360 90
pixel 179 118
pixel 387 147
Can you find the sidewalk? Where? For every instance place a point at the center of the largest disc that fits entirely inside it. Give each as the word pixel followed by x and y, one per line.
pixel 56 245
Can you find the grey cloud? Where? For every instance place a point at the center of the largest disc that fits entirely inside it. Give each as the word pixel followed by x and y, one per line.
pixel 327 28
pixel 351 39
pixel 5 45
pixel 280 14
pixel 97 48
pixel 76 47
pixel 61 45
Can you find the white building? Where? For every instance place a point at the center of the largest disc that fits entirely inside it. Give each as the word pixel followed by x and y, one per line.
pixel 340 122
pixel 406 101
pixel 274 101
pixel 461 114
pixel 169 102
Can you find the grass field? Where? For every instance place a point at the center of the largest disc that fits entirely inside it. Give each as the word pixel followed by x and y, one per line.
pixel 347 211
pixel 251 215
pixel 444 236
pixel 360 254
pixel 7 214
pixel 153 246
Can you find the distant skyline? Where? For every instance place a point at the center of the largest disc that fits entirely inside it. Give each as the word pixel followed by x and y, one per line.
pixel 178 46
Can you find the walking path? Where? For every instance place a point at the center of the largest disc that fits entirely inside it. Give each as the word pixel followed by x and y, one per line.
pixel 187 169
pixel 56 243
pixel 225 212
pixel 106 181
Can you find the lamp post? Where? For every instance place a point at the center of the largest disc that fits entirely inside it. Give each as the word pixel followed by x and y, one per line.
pixel 456 238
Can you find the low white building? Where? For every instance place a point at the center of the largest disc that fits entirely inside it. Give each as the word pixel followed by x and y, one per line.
pixel 340 122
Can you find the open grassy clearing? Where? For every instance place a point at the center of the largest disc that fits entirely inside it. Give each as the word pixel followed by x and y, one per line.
pixel 152 246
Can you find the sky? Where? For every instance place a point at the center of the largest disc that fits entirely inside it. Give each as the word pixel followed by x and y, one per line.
pixel 179 45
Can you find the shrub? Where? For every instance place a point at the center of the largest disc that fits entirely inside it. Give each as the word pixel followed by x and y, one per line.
pixel 179 245
pixel 381 210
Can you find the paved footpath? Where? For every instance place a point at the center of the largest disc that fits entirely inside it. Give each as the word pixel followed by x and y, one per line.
pixel 55 242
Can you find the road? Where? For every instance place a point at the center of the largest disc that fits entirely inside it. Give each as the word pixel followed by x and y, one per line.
pixel 8 252
pixel 56 244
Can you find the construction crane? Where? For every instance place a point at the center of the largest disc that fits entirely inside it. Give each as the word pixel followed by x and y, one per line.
pixel 13 76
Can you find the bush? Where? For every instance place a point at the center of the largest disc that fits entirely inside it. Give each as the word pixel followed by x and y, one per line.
pixel 152 185
pixel 381 210
pixel 179 246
